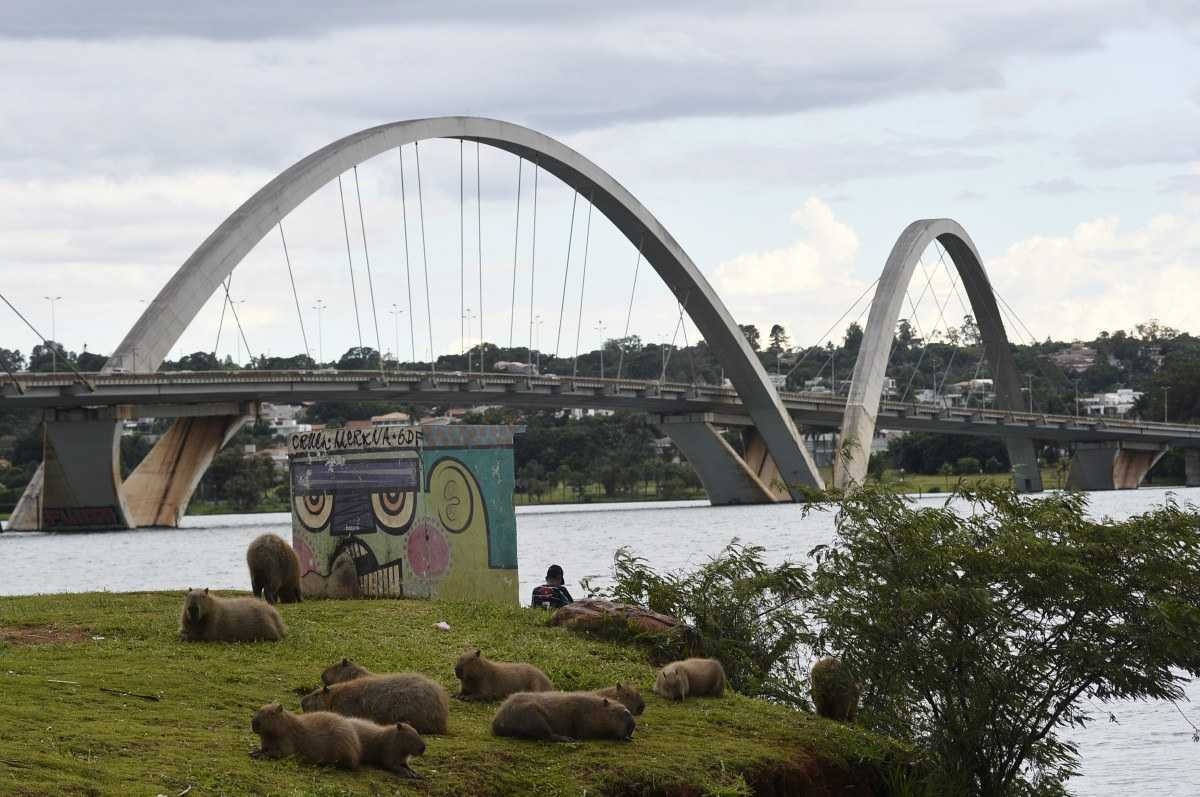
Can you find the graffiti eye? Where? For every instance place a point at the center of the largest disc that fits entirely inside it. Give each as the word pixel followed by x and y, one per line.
pixel 313 511
pixel 393 511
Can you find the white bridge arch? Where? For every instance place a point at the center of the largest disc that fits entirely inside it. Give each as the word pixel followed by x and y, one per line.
pixel 866 386
pixel 168 315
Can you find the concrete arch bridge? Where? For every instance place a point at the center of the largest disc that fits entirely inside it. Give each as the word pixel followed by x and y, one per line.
pixel 79 484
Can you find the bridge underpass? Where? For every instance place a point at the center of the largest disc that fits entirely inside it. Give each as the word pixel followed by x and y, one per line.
pixel 79 480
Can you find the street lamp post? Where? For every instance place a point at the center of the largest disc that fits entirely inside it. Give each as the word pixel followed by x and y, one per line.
pixel 53 333
pixel 320 308
pixel 468 317
pixel 537 340
pixel 237 339
pixel 396 311
pixel 600 328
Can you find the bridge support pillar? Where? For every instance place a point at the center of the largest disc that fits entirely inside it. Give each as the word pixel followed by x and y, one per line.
pixel 727 477
pixel 79 483
pixel 1191 467
pixel 160 487
pixel 1027 475
pixel 1119 465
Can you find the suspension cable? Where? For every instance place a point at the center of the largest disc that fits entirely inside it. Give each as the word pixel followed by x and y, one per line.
pixel 479 231
pixel 512 305
pixel 370 282
pixel 533 258
pixel 462 258
pixel 832 327
pixel 46 343
pixel 566 273
pixel 412 334
pixel 587 236
pixel 629 313
pixel 236 319
pixel 350 261
pixel 295 295
pixel 425 258
pixel 221 322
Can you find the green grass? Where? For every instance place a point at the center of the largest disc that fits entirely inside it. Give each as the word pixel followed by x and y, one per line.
pixel 72 738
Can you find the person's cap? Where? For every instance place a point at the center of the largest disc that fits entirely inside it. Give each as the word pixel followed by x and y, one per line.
pixel 554 571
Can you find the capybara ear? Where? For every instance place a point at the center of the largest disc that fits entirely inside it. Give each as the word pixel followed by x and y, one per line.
pixel 206 590
pixel 345 661
pixel 605 701
pixel 619 685
pixel 478 652
pixel 403 725
pixel 325 688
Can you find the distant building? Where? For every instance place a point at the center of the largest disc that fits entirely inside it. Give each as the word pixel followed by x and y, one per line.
pixel 778 380
pixel 391 419
pixel 1078 358
pixel 282 418
pixel 1115 405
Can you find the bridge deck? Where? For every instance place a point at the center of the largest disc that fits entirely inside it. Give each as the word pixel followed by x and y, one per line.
pixel 139 394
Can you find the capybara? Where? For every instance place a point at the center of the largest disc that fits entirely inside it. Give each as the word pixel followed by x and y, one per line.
pixel 388 746
pixel 626 696
pixel 319 738
pixel 274 570
pixel 563 717
pixel 344 670
pixel 207 618
pixel 834 690
pixel 483 679
pixel 691 677
pixel 386 699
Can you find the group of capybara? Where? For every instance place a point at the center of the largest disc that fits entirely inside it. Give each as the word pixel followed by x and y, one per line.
pixel 358 717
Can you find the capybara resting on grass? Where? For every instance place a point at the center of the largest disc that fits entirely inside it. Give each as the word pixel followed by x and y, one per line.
pixel 207 618
pixel 483 679
pixel 691 678
pixel 563 717
pixel 327 738
pixel 834 690
pixel 626 696
pixel 344 670
pixel 320 738
pixel 386 699
pixel 274 570
pixel 388 746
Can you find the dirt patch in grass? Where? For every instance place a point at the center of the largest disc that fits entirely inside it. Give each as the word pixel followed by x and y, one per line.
pixel 43 635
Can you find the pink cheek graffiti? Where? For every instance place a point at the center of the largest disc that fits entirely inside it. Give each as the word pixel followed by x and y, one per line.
pixel 428 551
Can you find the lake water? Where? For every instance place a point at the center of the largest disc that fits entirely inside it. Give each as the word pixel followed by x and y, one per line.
pixel 1150 751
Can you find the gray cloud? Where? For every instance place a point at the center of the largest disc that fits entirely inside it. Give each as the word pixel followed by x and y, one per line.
pixel 1169 138
pixel 132 86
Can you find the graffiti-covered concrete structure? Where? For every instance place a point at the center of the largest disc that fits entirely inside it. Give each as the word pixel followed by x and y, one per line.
pixel 421 511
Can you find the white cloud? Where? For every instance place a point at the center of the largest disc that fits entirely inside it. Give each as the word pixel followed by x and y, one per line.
pixel 1103 277
pixel 804 285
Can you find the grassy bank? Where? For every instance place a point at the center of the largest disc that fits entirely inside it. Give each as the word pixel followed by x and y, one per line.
pixel 60 734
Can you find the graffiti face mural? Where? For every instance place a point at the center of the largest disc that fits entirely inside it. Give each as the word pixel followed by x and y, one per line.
pixel 423 512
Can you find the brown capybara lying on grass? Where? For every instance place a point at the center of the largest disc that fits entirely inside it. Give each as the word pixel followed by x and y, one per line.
pixel 274 570
pixel 626 696
pixel 342 671
pixel 691 678
pixel 563 717
pixel 483 679
pixel 327 738
pixel 386 699
pixel 207 618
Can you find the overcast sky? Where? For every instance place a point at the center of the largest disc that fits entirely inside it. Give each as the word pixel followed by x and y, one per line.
pixel 784 147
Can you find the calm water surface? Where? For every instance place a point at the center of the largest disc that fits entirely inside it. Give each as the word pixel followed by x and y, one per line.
pixel 1149 752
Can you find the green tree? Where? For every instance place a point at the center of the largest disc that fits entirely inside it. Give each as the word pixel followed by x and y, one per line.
pixel 980 636
pixel 778 338
pixel 752 335
pixel 11 360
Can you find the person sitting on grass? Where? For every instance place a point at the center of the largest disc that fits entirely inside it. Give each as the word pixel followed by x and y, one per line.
pixel 552 594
